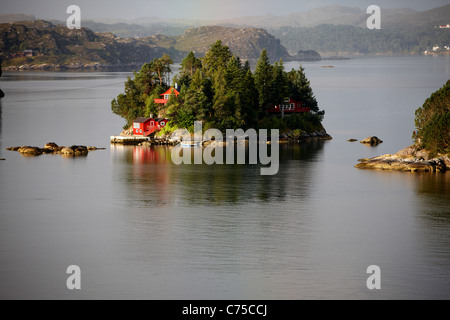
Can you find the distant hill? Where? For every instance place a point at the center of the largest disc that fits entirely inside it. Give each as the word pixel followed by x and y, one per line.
pixel 335 15
pixel 7 18
pixel 247 43
pixel 411 33
pixel 428 19
pixel 57 47
pixel 328 30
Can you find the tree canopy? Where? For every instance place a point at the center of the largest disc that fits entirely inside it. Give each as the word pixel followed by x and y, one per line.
pixel 433 122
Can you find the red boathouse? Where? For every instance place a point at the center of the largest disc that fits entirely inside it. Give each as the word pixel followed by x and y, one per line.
pixel 147 126
pixel 289 106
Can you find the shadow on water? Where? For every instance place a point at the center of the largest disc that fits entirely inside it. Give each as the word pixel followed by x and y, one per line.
pixel 433 198
pixel 433 191
pixel 151 179
pixel 1 123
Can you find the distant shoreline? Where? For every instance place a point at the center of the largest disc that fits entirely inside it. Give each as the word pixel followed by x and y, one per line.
pixel 96 67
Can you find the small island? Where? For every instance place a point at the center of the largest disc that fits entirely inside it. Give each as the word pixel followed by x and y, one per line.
pixel 223 93
pixel 431 150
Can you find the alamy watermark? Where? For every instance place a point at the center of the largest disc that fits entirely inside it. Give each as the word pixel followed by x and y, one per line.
pixel 374 281
pixel 74 21
pixel 74 280
pixel 374 21
pixel 257 145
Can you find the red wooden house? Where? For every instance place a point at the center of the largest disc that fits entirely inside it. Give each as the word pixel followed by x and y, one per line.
pixel 147 126
pixel 289 106
pixel 162 122
pixel 166 95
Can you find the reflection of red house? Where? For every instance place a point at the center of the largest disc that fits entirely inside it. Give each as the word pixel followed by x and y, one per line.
pixel 289 106
pixel 147 126
pixel 166 95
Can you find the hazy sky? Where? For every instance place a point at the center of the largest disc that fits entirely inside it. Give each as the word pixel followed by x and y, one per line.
pixel 192 9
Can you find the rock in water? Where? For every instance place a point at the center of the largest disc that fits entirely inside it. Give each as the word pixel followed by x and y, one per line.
pixel 30 151
pixel 401 163
pixel 51 146
pixel 373 141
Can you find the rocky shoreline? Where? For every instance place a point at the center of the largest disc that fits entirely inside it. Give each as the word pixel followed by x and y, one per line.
pixel 95 66
pixel 410 159
pixel 53 148
pixel 173 139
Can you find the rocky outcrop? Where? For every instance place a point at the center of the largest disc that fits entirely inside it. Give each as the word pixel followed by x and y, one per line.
pixel 373 141
pixel 55 47
pixel 53 148
pixel 410 159
pixel 305 136
pixel 308 55
pixel 247 43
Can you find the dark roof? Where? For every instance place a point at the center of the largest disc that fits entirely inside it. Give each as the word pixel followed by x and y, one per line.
pixel 141 120
pixel 160 119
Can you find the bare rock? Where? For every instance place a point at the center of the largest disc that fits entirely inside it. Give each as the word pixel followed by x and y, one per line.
pixel 51 146
pixel 373 141
pixel 13 148
pixel 67 151
pixel 403 163
pixel 31 151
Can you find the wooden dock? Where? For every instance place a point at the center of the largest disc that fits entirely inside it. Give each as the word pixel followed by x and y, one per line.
pixel 129 140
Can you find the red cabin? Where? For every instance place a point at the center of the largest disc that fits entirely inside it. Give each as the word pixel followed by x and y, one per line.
pixel 166 95
pixel 162 122
pixel 289 106
pixel 147 126
pixel 144 126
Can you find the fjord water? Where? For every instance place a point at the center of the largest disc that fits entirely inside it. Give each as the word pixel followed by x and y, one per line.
pixel 141 227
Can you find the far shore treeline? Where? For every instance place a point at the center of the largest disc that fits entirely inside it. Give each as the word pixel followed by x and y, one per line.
pixel 221 91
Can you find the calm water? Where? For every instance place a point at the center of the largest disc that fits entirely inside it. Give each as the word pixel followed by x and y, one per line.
pixel 141 227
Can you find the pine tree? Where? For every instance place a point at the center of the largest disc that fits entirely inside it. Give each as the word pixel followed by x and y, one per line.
pixel 300 89
pixel 433 122
pixel 264 82
pixel 190 64
pixel 216 57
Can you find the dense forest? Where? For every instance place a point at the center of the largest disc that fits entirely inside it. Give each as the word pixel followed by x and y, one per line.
pixel 351 39
pixel 433 122
pixel 221 91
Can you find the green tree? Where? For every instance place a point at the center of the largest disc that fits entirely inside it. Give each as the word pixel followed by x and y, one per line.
pixel 190 64
pixel 280 84
pixel 433 122
pixel 216 57
pixel 300 89
pixel 264 82
pixel 162 69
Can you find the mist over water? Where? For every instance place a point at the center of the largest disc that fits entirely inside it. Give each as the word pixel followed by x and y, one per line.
pixel 141 227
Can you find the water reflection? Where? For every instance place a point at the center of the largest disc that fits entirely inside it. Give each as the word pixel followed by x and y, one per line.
pixel 433 192
pixel 0 120
pixel 153 180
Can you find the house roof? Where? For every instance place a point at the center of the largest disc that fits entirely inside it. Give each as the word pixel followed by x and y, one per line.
pixel 171 90
pixel 141 120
